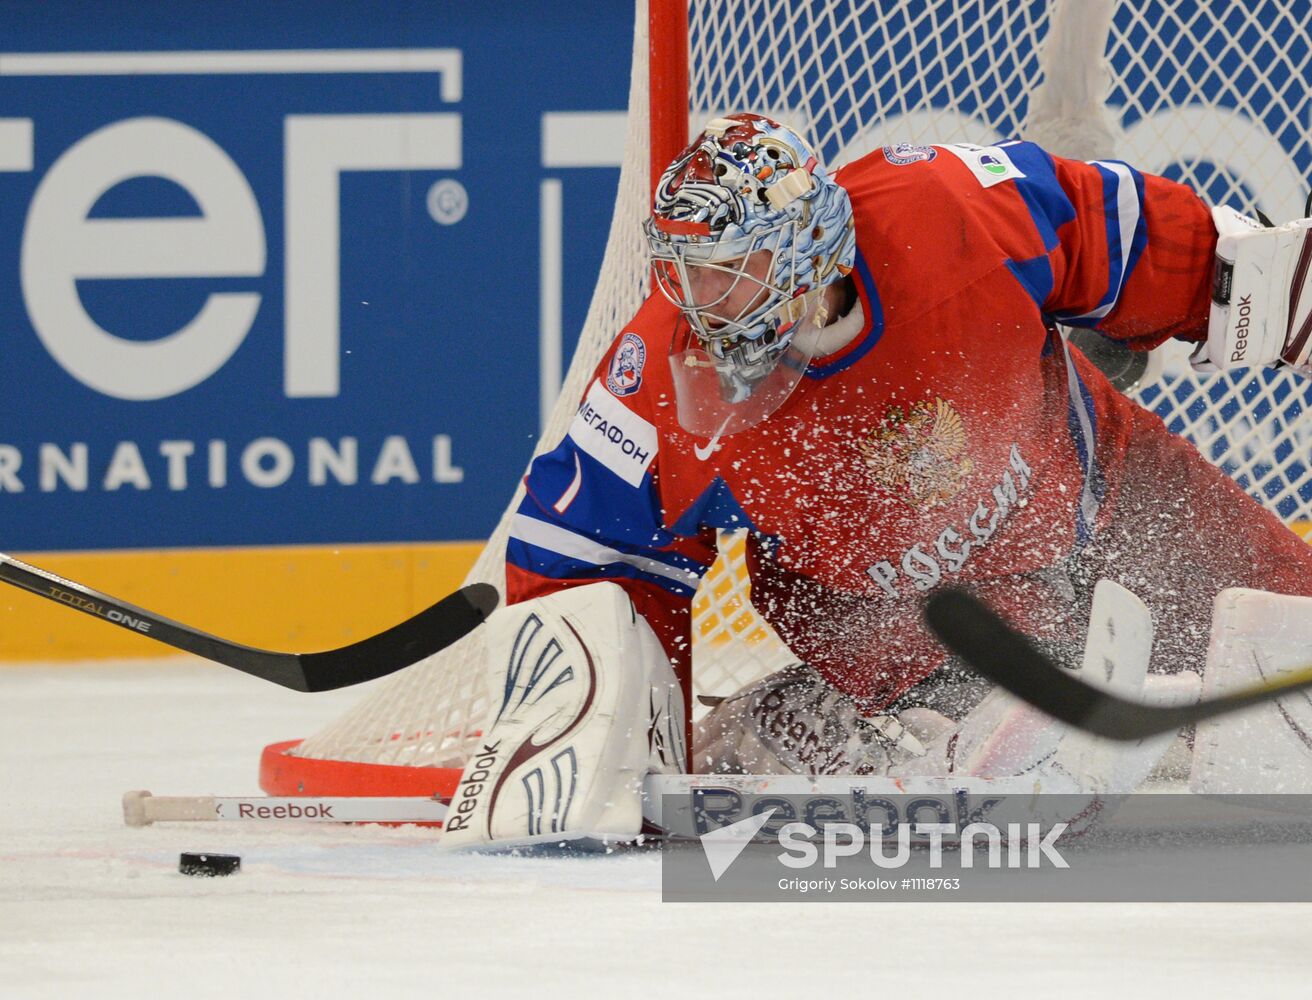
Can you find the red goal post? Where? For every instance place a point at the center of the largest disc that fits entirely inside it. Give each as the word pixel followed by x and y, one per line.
pixel 667 101
pixel 1211 92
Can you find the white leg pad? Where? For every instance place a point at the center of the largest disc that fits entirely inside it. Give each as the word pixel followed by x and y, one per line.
pixel 1116 657
pixel 1256 637
pixel 586 705
pixel 1005 737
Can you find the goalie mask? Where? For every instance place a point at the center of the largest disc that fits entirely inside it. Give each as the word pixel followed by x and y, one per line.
pixel 746 230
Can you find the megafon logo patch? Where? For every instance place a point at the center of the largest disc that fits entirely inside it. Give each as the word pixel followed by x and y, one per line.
pixel 723 846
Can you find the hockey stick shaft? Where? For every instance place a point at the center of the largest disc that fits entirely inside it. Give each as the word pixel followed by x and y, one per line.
pixel 685 806
pixel 376 656
pixel 978 635
pixel 143 809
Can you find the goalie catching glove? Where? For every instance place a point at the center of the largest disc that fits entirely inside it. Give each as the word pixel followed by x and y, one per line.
pixel 587 706
pixel 794 722
pixel 1261 295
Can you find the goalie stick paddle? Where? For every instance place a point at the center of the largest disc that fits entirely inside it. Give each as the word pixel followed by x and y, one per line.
pixel 377 656
pixel 973 631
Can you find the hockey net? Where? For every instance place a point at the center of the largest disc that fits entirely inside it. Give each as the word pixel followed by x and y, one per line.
pixel 1210 92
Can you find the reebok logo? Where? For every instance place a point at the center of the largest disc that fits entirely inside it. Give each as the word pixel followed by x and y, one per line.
pixel 472 784
pixel 1242 328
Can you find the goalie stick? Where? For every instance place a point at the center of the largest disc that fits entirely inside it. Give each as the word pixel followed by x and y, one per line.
pixel 143 809
pixel 687 806
pixel 972 630
pixel 423 635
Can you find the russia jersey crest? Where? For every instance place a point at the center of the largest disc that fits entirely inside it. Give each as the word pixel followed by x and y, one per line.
pixel 903 153
pixel 624 377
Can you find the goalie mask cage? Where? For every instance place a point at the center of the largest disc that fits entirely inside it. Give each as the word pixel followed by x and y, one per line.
pixel 1214 93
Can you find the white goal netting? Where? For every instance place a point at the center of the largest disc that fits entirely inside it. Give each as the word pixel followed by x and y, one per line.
pixel 1211 92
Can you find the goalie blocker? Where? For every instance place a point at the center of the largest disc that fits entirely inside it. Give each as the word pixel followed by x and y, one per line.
pixel 589 706
pixel 1261 310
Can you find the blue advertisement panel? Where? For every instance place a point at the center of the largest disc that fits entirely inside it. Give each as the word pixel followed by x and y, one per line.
pixel 274 274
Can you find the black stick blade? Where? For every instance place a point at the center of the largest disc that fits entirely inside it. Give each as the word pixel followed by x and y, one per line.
pixel 414 639
pixel 401 645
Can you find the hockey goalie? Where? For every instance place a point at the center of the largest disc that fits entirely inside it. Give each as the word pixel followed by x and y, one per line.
pixel 866 371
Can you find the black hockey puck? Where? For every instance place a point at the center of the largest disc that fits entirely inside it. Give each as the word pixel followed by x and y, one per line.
pixel 209 865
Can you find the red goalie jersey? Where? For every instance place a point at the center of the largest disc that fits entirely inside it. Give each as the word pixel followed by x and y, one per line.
pixel 956 440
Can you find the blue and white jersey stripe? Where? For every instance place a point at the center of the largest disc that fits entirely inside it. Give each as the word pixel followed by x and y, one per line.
pixel 1082 422
pixel 555 551
pixel 1048 203
pixel 1127 234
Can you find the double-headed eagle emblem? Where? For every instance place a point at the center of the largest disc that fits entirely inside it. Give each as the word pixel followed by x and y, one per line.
pixel 917 453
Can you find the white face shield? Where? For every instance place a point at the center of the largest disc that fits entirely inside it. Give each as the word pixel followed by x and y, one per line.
pixel 748 381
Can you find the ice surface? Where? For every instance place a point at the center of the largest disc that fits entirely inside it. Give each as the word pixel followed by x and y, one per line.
pixel 91 908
